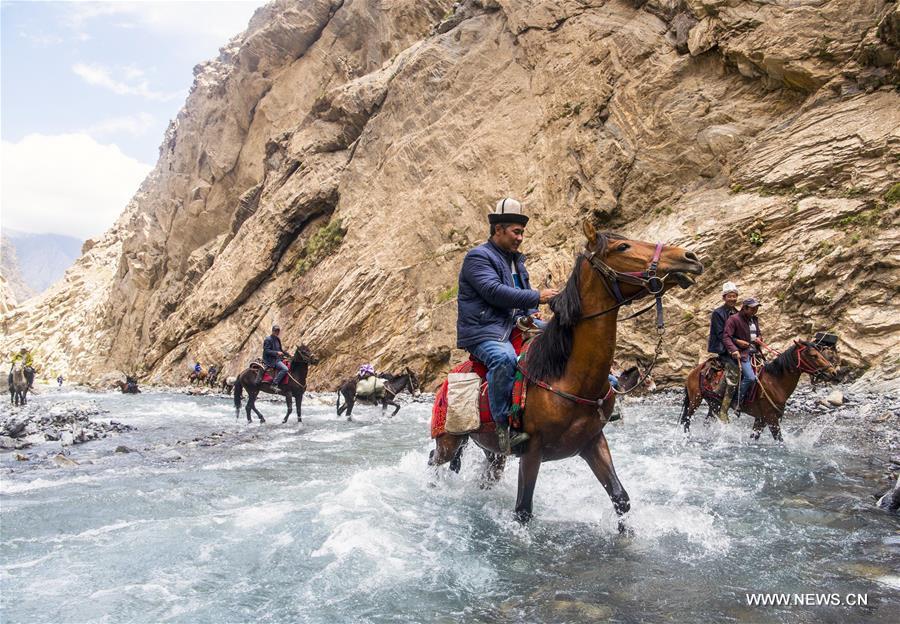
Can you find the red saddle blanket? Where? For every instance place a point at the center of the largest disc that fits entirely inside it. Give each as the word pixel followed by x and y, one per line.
pixel 711 376
pixel 439 410
pixel 270 373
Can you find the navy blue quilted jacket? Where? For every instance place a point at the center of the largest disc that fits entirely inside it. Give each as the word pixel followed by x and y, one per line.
pixel 488 301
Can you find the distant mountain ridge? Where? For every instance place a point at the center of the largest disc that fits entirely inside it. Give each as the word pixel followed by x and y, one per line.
pixel 32 262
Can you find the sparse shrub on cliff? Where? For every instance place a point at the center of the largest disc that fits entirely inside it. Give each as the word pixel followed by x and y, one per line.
pixel 446 295
pixel 892 196
pixel 320 245
pixel 755 238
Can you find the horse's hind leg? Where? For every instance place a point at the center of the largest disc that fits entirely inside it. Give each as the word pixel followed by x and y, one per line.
pixel 598 457
pixel 688 406
pixel 493 469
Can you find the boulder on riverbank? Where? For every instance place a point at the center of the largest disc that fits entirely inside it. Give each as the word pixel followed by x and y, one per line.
pixel 67 422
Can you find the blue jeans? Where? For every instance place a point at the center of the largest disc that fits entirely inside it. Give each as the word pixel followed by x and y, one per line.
pixel 500 359
pixel 282 372
pixel 748 378
pixel 613 381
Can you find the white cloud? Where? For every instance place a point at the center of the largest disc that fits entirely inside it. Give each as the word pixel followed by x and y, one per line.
pixel 132 84
pixel 135 125
pixel 65 184
pixel 215 22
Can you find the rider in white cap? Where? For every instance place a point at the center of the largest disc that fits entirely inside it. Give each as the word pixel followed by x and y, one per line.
pixel 715 345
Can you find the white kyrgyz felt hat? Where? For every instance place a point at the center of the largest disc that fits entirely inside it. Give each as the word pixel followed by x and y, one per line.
pixel 508 210
pixel 728 287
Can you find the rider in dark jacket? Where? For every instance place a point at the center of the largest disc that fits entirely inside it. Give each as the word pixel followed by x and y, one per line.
pixel 272 354
pixel 494 290
pixel 716 345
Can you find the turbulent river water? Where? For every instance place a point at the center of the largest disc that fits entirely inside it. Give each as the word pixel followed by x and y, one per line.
pixel 337 521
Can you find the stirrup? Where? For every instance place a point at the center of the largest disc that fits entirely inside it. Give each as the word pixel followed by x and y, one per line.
pixel 517 439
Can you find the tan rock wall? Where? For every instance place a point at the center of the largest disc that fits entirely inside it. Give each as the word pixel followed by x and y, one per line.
pixel 698 123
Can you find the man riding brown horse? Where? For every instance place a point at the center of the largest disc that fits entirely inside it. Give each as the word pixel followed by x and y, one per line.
pixel 715 344
pixel 494 292
pixel 741 337
pixel 569 398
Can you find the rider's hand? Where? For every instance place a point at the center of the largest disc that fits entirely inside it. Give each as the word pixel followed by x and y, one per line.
pixel 547 294
pixel 736 355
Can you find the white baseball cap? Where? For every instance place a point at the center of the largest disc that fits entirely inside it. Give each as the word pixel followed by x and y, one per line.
pixel 728 287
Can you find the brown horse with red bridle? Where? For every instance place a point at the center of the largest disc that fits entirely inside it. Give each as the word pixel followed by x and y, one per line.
pixel 567 366
pixel 776 381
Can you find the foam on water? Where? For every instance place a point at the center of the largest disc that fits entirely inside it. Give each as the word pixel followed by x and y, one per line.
pixel 338 521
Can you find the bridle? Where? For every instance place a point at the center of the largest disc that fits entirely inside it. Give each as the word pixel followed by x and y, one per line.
pixel 650 283
pixel 815 372
pixel 647 279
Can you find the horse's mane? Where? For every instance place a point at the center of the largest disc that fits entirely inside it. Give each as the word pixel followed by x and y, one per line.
pixel 784 363
pixel 550 350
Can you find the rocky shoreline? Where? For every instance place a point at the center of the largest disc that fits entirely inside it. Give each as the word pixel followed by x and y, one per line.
pixel 67 422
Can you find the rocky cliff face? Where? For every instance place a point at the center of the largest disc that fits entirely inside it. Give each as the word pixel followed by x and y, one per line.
pixel 331 168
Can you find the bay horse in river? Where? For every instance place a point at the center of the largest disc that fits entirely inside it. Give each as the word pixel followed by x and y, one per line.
pixel 393 385
pixel 776 381
pixel 567 366
pixel 293 386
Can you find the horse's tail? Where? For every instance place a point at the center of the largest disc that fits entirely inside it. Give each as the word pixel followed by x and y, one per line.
pixel 238 395
pixel 339 393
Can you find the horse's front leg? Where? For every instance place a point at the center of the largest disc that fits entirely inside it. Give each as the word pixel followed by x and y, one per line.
pixel 758 425
pixel 598 457
pixel 298 398
pixel 774 426
pixel 287 397
pixel 448 448
pixel 529 466
pixel 389 400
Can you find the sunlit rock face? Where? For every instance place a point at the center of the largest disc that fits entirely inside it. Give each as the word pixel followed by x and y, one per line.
pixel 332 166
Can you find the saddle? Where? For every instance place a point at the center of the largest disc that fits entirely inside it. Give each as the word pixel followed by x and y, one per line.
pixel 711 376
pixel 269 372
pixel 473 365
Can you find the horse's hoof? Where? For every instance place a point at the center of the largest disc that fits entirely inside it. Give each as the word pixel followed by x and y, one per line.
pixel 523 517
pixel 625 530
pixel 285 420
pixel 262 420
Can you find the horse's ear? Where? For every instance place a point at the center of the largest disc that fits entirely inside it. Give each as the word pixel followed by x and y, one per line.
pixel 589 232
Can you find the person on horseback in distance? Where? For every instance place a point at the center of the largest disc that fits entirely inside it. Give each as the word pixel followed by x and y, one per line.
pixel 273 354
pixel 493 292
pixel 716 344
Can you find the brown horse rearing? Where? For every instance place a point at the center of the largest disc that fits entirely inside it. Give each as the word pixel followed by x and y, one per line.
pixel 777 380
pixel 574 354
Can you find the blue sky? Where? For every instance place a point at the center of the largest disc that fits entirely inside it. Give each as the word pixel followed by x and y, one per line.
pixel 86 92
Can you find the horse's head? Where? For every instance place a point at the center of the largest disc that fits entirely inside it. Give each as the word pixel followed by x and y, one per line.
pixel 811 359
pixel 637 268
pixel 414 387
pixel 304 355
